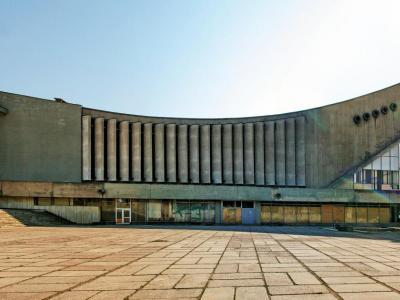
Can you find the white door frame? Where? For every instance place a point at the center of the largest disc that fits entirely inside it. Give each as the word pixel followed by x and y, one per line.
pixel 123 210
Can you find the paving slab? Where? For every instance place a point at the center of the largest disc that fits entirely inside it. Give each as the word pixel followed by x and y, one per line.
pixel 198 262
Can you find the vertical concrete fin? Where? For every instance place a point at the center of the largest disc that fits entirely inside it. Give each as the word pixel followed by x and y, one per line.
pixel 99 148
pixel 194 153
pixel 238 153
pixel 136 148
pixel 300 152
pixel 290 145
pixel 112 150
pixel 183 154
pixel 148 152
pixel 86 148
pixel 216 155
pixel 205 154
pixel 259 153
pixel 124 151
pixel 171 153
pixel 159 153
pixel 280 152
pixel 249 153
pixel 227 154
pixel 269 146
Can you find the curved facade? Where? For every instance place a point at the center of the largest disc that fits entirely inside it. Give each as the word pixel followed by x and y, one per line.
pixel 307 167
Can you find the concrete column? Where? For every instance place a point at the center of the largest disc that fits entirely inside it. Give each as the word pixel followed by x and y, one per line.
pixel 227 154
pixel 99 148
pixel 124 151
pixel 112 150
pixel 259 153
pixel 86 148
pixel 136 148
pixel 238 153
pixel 159 153
pixel 269 146
pixel 148 152
pixel 183 154
pixel 218 212
pixel 280 152
pixel 290 152
pixel 257 206
pixel 194 153
pixel 171 153
pixel 249 153
pixel 300 152
pixel 216 155
pixel 205 154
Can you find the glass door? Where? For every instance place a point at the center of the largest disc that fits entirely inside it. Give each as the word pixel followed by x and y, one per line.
pixel 122 211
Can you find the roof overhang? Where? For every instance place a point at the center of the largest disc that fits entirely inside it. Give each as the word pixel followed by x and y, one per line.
pixel 3 110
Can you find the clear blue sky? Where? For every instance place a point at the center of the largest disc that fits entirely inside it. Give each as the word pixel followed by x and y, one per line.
pixel 199 58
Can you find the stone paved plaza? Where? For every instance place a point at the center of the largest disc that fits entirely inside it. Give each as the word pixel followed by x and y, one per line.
pixel 218 263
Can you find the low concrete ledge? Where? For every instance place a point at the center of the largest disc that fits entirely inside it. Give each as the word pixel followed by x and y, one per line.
pixel 74 214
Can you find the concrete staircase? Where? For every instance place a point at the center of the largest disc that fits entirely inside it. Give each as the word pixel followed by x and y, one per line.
pixel 27 217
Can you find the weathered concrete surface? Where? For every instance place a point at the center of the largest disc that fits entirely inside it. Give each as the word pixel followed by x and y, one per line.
pixel 190 191
pixel 234 262
pixel 40 140
pixel 318 149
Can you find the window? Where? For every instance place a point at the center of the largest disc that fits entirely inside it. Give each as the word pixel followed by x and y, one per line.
pixel 380 174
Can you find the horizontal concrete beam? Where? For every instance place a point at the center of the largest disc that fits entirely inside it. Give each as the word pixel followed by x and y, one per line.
pixel 192 192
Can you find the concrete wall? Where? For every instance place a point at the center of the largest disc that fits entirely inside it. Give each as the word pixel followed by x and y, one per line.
pixel 39 140
pixel 75 214
pixel 335 145
pixel 312 148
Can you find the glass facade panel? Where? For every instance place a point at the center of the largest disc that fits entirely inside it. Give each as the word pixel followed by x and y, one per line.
pixel 107 210
pixel 315 214
pixel 277 214
pixel 290 214
pixel 196 212
pixel 350 214
pixel 362 215
pixel 338 214
pixel 62 201
pixel 302 214
pixel 138 211
pixel 373 214
pixel 385 214
pixel 209 212
pixel 44 201
pixel 154 211
pixel 229 215
pixel 265 214
pixel 327 213
pixel 181 211
pixel 381 173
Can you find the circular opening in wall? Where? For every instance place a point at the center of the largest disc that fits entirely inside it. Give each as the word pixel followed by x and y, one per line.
pixel 356 119
pixel 393 106
pixel 384 110
pixel 375 113
pixel 278 196
pixel 366 116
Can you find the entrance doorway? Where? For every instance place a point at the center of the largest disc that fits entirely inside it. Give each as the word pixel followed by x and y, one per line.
pixel 248 213
pixel 238 212
pixel 122 211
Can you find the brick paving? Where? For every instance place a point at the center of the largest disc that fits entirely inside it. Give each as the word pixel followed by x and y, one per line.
pixel 171 262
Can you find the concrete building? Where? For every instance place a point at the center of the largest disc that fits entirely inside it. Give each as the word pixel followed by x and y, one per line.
pixel 334 164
